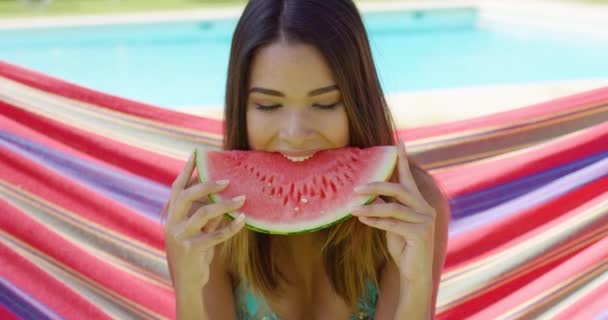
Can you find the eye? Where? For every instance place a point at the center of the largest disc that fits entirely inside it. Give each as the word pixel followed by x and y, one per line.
pixel 271 107
pixel 325 106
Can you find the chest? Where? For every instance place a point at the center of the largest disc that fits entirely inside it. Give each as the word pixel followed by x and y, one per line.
pixel 294 304
pixel 320 305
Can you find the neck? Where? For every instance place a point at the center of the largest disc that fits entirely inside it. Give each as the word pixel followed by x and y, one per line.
pixel 301 257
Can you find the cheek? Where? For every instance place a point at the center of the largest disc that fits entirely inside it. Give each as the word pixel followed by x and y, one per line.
pixel 259 130
pixel 337 129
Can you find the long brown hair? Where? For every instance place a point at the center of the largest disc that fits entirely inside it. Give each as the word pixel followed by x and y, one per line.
pixel 353 253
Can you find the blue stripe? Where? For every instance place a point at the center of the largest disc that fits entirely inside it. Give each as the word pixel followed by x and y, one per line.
pixel 543 194
pixel 474 202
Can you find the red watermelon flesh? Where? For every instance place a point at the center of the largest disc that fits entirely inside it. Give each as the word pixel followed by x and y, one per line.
pixel 285 197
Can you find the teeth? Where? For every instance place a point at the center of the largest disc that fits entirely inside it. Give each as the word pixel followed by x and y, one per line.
pixel 297 159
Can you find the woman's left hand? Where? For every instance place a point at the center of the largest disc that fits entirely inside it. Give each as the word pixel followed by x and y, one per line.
pixel 409 222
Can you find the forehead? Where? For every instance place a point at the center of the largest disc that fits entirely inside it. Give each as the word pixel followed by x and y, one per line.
pixel 290 67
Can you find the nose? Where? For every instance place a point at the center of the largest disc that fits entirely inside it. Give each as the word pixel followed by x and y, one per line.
pixel 296 129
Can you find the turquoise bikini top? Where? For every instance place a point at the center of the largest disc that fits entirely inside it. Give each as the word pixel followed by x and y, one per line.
pixel 253 307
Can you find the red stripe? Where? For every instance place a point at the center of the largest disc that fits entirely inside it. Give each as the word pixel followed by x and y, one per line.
pixel 512 116
pixel 480 298
pixel 483 241
pixel 575 266
pixel 74 258
pixel 76 198
pixel 63 88
pixel 138 161
pixel 482 175
pixel 39 285
pixel 524 274
pixel 534 268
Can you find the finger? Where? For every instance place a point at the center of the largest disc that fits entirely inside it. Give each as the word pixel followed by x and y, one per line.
pixel 207 240
pixel 212 224
pixel 182 179
pixel 391 210
pixel 195 223
pixel 410 231
pixel 203 189
pixel 405 174
pixel 182 204
pixel 394 190
pixel 193 181
pixel 229 230
pixel 387 224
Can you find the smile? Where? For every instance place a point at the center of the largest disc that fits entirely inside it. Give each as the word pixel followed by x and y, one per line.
pixel 297 159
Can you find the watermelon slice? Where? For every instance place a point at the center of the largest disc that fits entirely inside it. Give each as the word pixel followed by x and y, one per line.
pixel 286 197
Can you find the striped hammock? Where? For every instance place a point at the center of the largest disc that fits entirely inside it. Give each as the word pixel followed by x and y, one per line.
pixel 83 176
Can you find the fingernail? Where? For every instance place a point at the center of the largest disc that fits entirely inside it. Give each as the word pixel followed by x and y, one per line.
pixel 238 199
pixel 222 182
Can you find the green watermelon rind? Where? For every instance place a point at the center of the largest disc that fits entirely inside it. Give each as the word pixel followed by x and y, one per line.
pixel 254 228
pixel 200 162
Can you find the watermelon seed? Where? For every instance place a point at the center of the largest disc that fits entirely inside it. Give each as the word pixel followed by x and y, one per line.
pixel 324 182
pixel 296 209
pixel 347 177
pixel 269 185
pixel 303 200
pixel 333 187
pixel 339 180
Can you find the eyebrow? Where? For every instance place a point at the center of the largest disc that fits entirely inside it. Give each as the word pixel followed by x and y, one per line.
pixel 315 92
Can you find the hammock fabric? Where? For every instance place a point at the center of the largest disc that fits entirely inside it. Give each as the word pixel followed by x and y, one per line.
pixel 83 176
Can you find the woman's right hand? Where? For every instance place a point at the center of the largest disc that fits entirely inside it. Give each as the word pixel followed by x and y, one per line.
pixel 194 227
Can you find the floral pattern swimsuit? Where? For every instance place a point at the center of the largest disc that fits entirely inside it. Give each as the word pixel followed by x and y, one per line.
pixel 252 307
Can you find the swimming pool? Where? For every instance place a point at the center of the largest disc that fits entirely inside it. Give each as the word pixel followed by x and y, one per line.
pixel 183 64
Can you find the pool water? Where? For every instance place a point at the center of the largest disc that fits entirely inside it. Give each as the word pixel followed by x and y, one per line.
pixel 184 64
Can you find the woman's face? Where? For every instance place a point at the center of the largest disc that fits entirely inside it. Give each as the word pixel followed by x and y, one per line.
pixel 294 106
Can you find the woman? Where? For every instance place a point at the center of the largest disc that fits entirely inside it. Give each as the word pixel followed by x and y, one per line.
pixel 301 79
